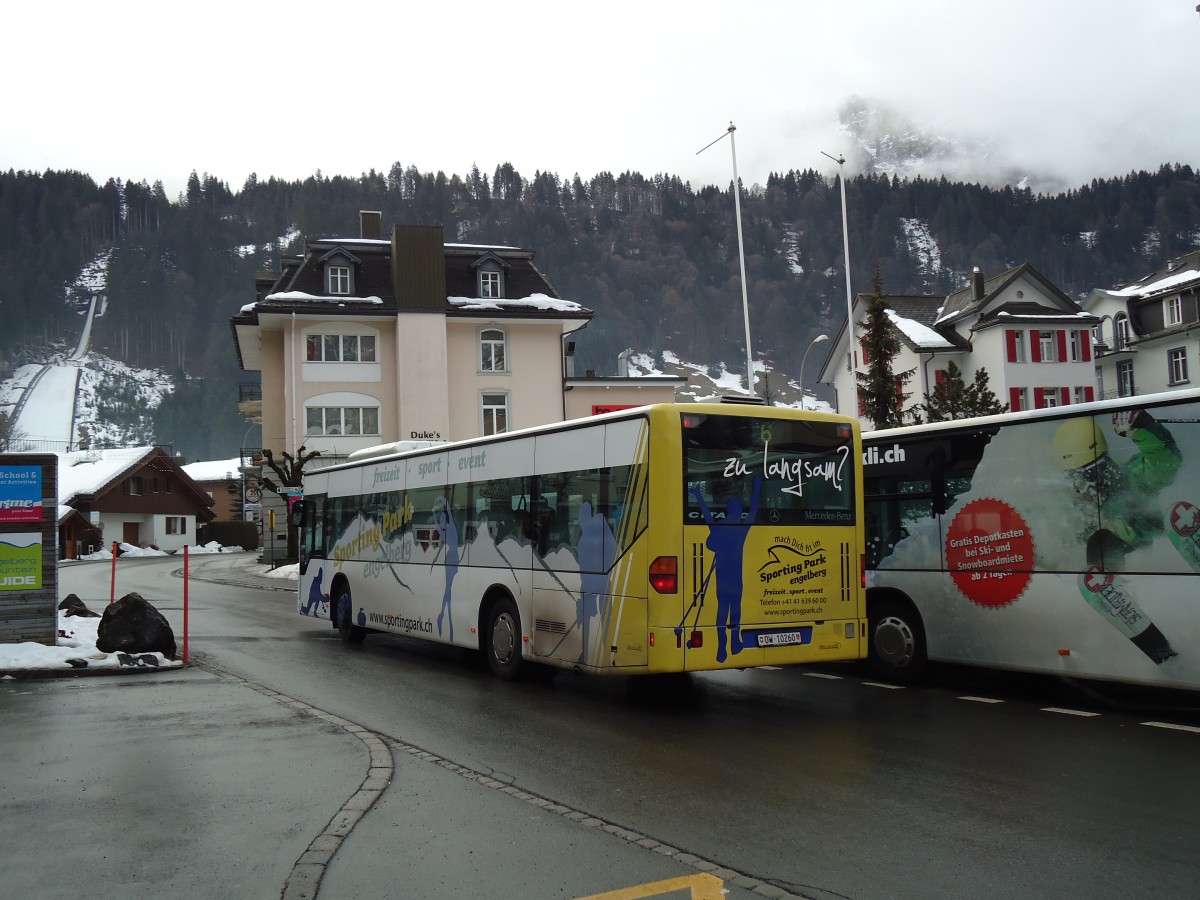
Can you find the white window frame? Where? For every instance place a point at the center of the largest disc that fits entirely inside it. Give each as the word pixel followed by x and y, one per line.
pixel 1125 383
pixel 1120 331
pixel 491 284
pixel 1173 311
pixel 1075 344
pixel 338 279
pixel 1019 356
pixel 1023 398
pixel 495 414
pixel 1177 367
pixel 332 348
pixel 488 346
pixel 339 421
pixel 1051 397
pixel 1048 345
pixel 1080 394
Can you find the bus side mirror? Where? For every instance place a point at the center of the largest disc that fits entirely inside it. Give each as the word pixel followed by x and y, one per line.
pixel 296 516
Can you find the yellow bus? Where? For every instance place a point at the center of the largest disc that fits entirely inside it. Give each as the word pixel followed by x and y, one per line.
pixel 667 538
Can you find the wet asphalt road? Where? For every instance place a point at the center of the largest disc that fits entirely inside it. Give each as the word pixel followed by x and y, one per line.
pixel 238 776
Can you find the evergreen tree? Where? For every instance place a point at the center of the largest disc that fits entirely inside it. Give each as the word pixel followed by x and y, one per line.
pixel 881 390
pixel 952 398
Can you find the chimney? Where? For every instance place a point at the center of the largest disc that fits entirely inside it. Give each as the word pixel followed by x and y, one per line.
pixel 977 284
pixel 368 224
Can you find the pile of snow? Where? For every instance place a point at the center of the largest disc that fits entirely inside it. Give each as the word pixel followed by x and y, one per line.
pixel 76 641
pixel 134 551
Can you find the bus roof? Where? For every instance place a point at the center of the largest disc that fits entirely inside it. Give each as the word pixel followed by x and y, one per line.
pixel 1074 409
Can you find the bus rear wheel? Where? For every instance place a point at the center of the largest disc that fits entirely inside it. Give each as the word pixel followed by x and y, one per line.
pixel 897 649
pixel 350 633
pixel 502 639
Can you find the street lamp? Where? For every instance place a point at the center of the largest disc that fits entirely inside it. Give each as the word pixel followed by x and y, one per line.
pixel 818 339
pixel 737 200
pixel 841 161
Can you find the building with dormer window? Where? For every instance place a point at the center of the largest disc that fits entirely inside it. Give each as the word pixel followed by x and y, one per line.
pixel 1032 339
pixel 366 341
pixel 1147 337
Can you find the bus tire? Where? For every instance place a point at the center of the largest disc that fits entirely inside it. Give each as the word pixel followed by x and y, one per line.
pixel 897 647
pixel 502 639
pixel 350 633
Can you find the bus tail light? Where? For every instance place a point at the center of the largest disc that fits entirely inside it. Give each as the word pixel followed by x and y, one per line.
pixel 862 571
pixel 664 575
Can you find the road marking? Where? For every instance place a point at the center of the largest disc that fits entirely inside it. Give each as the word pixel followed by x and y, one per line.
pixel 700 887
pixel 1192 728
pixel 889 687
pixel 825 675
pixel 981 699
pixel 1070 712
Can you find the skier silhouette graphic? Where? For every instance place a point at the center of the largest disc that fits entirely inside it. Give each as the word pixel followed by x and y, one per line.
pixel 727 541
pixel 596 547
pixel 315 598
pixel 448 534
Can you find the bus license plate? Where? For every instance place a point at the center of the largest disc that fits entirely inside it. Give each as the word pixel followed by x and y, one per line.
pixel 781 638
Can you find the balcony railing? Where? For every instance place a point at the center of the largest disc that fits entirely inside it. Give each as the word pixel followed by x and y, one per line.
pixel 249 392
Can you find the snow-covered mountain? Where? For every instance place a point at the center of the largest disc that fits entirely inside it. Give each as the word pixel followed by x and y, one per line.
pixel 888 142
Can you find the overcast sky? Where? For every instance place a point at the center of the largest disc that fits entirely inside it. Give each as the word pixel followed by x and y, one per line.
pixel 152 90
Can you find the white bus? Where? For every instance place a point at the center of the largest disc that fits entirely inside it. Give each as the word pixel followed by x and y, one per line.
pixel 666 538
pixel 1063 541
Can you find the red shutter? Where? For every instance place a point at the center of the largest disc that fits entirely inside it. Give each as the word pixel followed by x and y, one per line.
pixel 1085 341
pixel 1014 399
pixel 1039 401
pixel 1062 346
pixel 1011 337
pixel 939 376
pixel 866 356
pixel 1035 346
pixel 1089 394
pixel 1065 393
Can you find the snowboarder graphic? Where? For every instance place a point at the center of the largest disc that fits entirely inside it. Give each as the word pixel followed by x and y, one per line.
pixel 443 521
pixel 596 546
pixel 1125 497
pixel 727 541
pixel 316 599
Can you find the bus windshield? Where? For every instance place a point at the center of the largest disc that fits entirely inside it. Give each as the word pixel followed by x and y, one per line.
pixel 779 471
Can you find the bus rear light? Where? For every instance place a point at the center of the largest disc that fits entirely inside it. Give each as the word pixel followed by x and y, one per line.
pixel 664 576
pixel 696 640
pixel 652 639
pixel 1063 651
pixel 850 629
pixel 862 571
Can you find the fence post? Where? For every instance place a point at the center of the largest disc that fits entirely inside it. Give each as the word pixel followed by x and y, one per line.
pixel 185 605
pixel 112 590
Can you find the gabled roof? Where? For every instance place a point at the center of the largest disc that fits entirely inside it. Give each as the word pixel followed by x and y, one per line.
pixel 973 300
pixel 85 475
pixel 1168 278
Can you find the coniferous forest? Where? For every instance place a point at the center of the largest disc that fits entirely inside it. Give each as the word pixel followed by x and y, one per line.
pixel 656 258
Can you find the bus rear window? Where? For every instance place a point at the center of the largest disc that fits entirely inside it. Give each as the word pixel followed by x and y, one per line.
pixel 784 471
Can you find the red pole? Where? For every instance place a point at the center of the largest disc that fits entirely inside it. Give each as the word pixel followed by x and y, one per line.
pixel 185 605
pixel 112 591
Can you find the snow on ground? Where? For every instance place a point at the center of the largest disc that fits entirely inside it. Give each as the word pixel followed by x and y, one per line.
pixel 77 634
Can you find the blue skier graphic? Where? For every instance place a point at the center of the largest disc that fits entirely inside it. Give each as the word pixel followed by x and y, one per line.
pixel 316 599
pixel 448 534
pixel 596 547
pixel 727 542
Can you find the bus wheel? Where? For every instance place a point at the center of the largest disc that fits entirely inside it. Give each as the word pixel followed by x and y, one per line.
pixel 351 633
pixel 502 639
pixel 897 650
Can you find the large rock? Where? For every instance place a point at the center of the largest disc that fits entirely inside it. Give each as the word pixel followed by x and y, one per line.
pixel 134 626
pixel 73 606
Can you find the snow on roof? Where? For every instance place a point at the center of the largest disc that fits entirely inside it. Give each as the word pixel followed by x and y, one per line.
pixel 213 470
pixel 317 298
pixel 921 335
pixel 533 301
pixel 1163 284
pixel 86 471
pixel 1061 315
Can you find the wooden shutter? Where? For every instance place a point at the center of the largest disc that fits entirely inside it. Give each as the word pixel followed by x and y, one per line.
pixel 1062 346
pixel 1085 342
pixel 1039 401
pixel 1035 346
pixel 1089 394
pixel 1065 395
pixel 1014 399
pixel 1010 338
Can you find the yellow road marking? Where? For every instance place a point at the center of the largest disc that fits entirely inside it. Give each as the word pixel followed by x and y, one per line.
pixel 701 887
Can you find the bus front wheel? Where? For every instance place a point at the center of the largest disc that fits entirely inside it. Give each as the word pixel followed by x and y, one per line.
pixel 897 649
pixel 502 639
pixel 351 633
